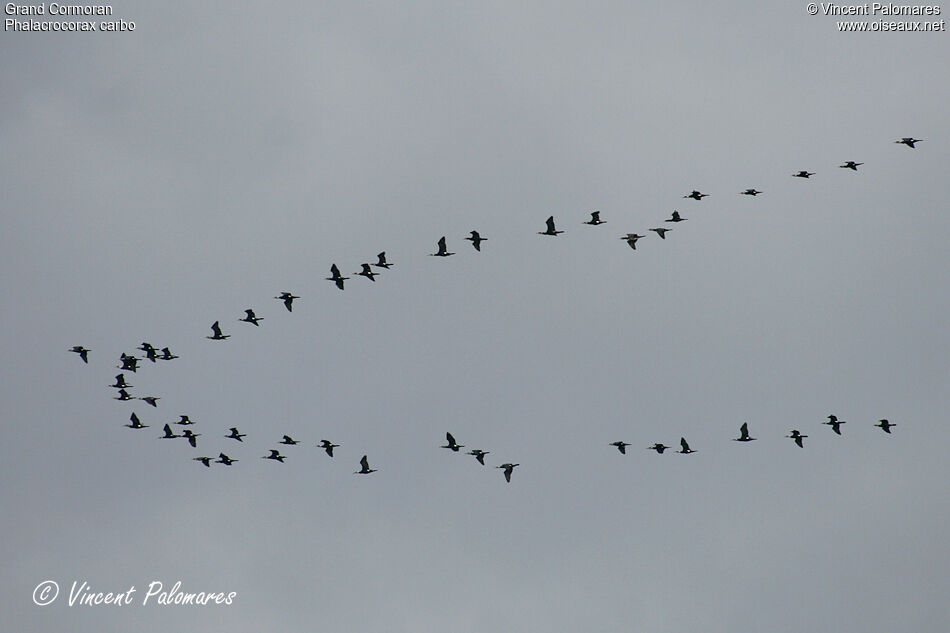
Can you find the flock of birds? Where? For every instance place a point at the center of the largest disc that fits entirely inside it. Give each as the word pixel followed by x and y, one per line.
pixel 131 363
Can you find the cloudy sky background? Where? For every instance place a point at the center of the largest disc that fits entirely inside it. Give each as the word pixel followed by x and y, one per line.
pixel 159 180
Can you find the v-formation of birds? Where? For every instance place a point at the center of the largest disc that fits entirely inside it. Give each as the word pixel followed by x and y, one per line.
pixel 130 362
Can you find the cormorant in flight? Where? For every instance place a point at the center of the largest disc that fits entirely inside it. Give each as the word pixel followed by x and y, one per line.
pixel 82 351
pixel 443 251
pixel 550 228
pixel 216 333
pixel 595 219
pixel 250 317
pixel 336 277
pixel 476 240
pixel 288 300
pixel 508 468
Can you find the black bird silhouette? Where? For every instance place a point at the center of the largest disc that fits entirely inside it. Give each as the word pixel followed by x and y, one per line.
pixel 367 272
pixel 695 195
pixel 224 459
pixel 289 441
pixel 479 455
pixel 595 219
pixel 803 174
pixel 129 363
pixel 443 251
pixel 661 232
pixel 123 395
pixel 234 435
pixel 191 437
pixel 851 165
pixel 631 239
pixel 798 437
pixel 909 141
pixel 250 317
pixel 136 423
pixel 167 354
pixel 621 446
pixel 216 333
pixel 476 240
pixel 120 383
pixel 169 434
pixel 744 433
pixel 364 467
pixel 336 277
pixel 685 450
pixel 288 300
pixel 550 228
pixel 508 468
pixel 150 352
pixel 82 351
pixel 328 446
pixel 152 400
pixel 676 217
pixel 275 455
pixel 452 444
pixel 382 263
pixel 204 460
pixel 750 192
pixel 885 426
pixel 835 423
pixel 659 448
pixel 184 420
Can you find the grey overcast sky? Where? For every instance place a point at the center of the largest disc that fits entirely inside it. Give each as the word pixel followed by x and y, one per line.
pixel 155 181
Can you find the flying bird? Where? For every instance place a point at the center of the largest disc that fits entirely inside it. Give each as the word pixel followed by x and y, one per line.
pixel 631 239
pixel 191 437
pixel 234 435
pixel 661 232
pixel 136 423
pixel 508 468
pixel 224 459
pixel 82 351
pixel 595 219
pixel 550 228
pixel 909 141
pixel 288 300
pixel 885 426
pixel 381 261
pixel 479 455
pixel 685 450
pixel 289 441
pixel 367 272
pixel 803 174
pixel 621 446
pixel 850 165
pixel 476 240
pixel 659 448
pixel 151 353
pixel 452 444
pixel 695 195
pixel 216 333
pixel 336 277
pixel 676 217
pixel 169 434
pixel 835 423
pixel 204 460
pixel 750 192
pixel 328 446
pixel 167 354
pixel 798 437
pixel 184 420
pixel 743 434
pixel 364 467
pixel 443 251
pixel 123 395
pixel 152 400
pixel 275 455
pixel 129 363
pixel 250 317
pixel 120 383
